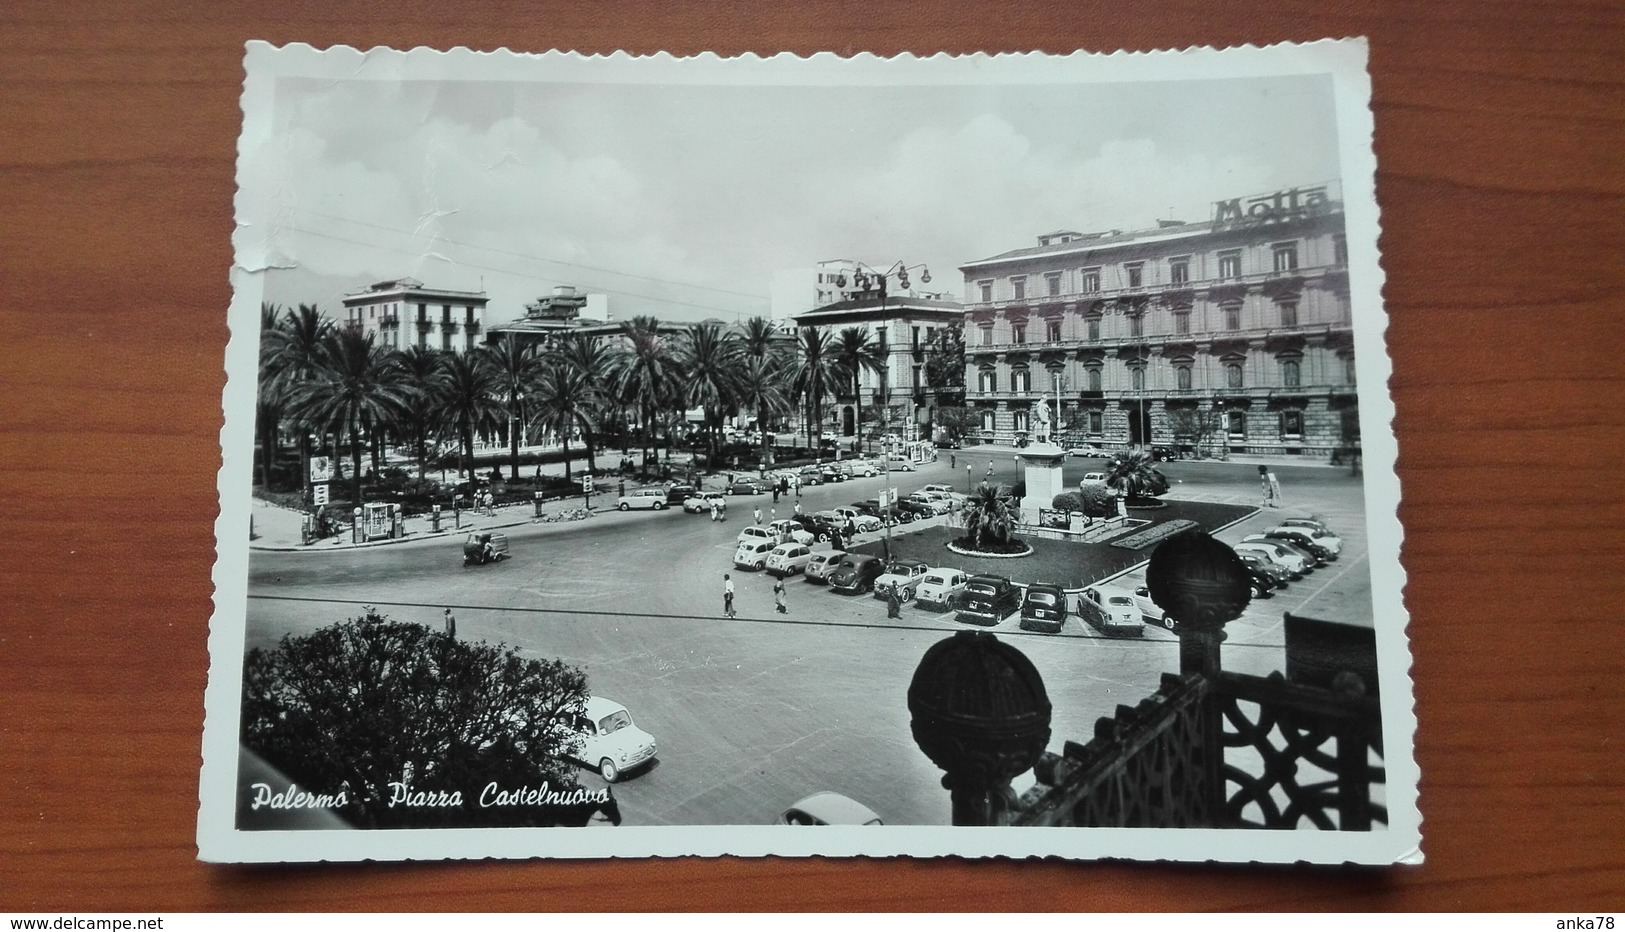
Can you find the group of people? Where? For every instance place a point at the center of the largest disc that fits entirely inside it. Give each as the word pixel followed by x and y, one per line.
pixel 780 602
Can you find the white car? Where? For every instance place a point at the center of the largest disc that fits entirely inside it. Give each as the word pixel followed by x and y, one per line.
pixel 789 531
pixel 1112 610
pixel 786 559
pixel 701 504
pixel 903 576
pixel 1331 542
pixel 895 465
pixel 652 499
pixel 1088 450
pixel 752 554
pixel 609 741
pixel 755 532
pixel 1287 559
pixel 863 522
pixel 938 490
pixel 864 468
pixel 829 809
pixel 821 564
pixel 938 503
pixel 940 587
pixel 1099 477
pixel 1150 610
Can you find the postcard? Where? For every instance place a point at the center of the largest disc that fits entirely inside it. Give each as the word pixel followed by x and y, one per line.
pixel 982 455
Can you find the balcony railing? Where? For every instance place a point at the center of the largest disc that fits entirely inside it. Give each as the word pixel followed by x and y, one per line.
pixel 1159 338
pixel 1148 290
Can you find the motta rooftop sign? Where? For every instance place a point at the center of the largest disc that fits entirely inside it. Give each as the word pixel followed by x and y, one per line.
pixel 1281 206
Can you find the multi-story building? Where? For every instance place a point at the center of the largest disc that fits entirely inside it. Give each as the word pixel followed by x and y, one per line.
pixel 403 313
pixel 902 327
pixel 566 310
pixel 1228 335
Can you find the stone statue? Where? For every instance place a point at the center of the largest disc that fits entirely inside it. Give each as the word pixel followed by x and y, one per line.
pixel 1040 422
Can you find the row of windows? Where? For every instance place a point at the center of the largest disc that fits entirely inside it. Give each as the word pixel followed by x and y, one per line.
pixel 1283 258
pixel 1290 423
pixel 1290 372
pixel 1286 314
pixel 392 312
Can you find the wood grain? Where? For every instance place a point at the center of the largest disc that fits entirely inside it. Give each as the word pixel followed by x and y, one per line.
pixel 1500 129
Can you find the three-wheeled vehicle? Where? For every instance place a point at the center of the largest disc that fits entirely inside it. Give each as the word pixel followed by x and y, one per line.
pixel 484 547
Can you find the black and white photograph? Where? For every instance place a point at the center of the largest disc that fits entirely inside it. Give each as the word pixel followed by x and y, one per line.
pixel 978 456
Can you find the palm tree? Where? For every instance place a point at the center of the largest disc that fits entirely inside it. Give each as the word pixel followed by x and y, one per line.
pixel 290 354
pixel 856 353
pixel 420 368
pixel 516 365
pixel 466 401
pixel 711 359
pixel 356 389
pixel 590 357
pixel 764 386
pixel 645 373
pixel 758 336
pixel 813 377
pixel 563 400
pixel 268 399
pixel 990 515
pixel 1136 475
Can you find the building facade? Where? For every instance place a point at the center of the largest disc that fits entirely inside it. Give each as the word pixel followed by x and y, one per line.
pixel 566 310
pixel 902 327
pixel 1231 335
pixel 403 313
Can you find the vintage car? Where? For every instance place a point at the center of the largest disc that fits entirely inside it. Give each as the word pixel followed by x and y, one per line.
pixel 791 530
pixel 856 573
pixel 752 554
pixel 863 522
pixel 787 559
pixel 1112 611
pixel 700 503
pixel 903 576
pixel 987 600
pixel 1295 563
pixel 1267 576
pixel 829 809
pixel 1151 611
pixel 747 485
pixel 609 741
pixel 940 588
pixel 652 499
pixel 757 533
pixel 484 547
pixel 822 564
pixel 1043 608
pixel 1311 537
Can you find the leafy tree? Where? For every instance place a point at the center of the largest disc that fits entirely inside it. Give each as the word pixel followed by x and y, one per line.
pixel 269 397
pixel 945 364
pixel 957 422
pixel 1136 474
pixel 289 356
pixel 355 388
pixel 367 702
pixel 991 516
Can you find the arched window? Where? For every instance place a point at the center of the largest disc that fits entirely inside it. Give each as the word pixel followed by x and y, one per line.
pixel 1232 316
pixel 1094 327
pixel 1291 374
pixel 1021 380
pixel 1137 377
pixel 1094 380
pixel 1232 374
pixel 987 380
pixel 1136 325
pixel 1182 376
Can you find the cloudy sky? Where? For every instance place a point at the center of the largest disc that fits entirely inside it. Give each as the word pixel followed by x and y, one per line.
pixel 681 201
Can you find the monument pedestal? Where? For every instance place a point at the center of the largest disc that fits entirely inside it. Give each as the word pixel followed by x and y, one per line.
pixel 1042 464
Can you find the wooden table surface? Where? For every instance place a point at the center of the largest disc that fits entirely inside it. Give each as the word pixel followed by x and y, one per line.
pixel 1500 129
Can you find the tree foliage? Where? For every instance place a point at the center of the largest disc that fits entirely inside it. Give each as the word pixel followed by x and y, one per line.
pixel 370 702
pixel 991 516
pixel 1136 474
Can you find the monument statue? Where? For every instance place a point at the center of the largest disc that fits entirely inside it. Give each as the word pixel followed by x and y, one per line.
pixel 1040 422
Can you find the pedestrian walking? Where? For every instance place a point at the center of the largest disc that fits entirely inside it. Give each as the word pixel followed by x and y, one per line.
pixel 775 493
pixel 449 624
pixel 773 515
pixel 728 595
pixel 851 528
pixel 1275 490
pixel 953 461
pixel 778 598
pixel 798 507
pixel 716 512
pixel 756 516
pixel 1265 488
pixel 894 603
pixel 623 488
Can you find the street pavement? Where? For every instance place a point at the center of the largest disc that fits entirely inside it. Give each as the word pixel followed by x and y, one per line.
pixel 752 714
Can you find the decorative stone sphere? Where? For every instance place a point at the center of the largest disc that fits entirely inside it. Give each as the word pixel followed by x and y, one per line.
pixel 979 710
pixel 1199 581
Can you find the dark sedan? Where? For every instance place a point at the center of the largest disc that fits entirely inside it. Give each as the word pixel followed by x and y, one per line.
pixel 1043 609
pixel 857 573
pixel 987 600
pixel 747 486
pixel 1276 576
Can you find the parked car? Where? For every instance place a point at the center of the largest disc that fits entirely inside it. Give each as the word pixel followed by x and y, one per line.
pixel 1043 608
pixel 903 576
pixel 747 485
pixel 856 573
pixel 829 436
pixel 752 554
pixel 1313 556
pixel 678 494
pixel 822 564
pixel 828 521
pixel 938 503
pixel 1313 524
pixel 940 588
pixel 863 469
pixel 810 476
pixel 829 809
pixel 652 499
pixel 1278 553
pixel 863 522
pixel 1151 611
pixel 1324 539
pixel 789 530
pixel 610 741
pixel 700 503
pixel 1088 451
pixel 987 600
pixel 938 492
pixel 897 465
pixel 755 532
pixel 1111 610
pixel 1322 553
pixel 832 473
pixel 1099 477
pixel 1277 576
pixel 788 559
pixel 913 509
